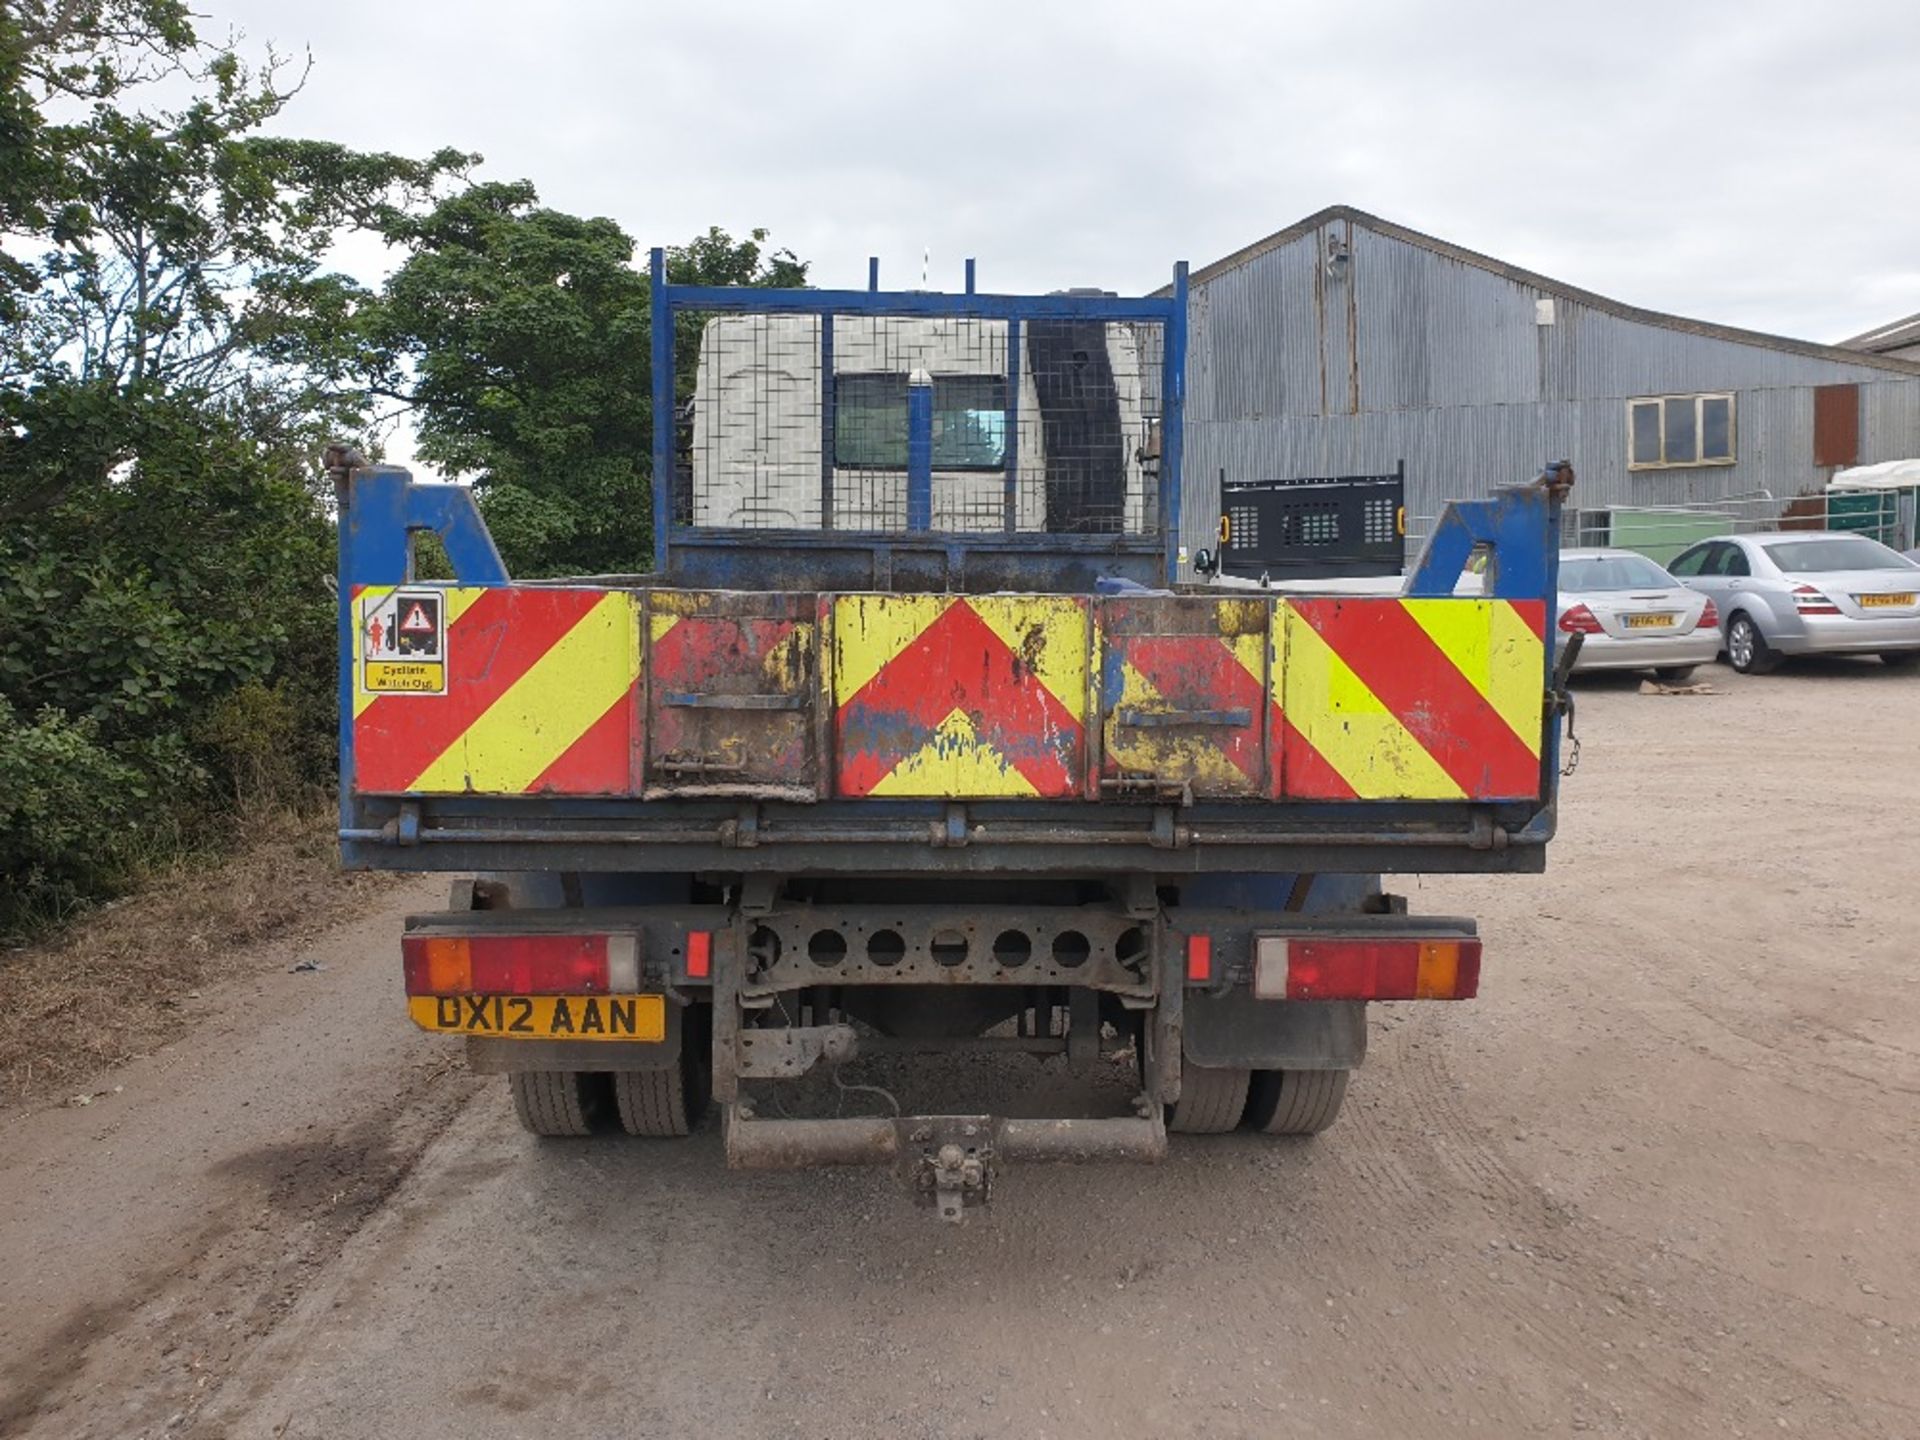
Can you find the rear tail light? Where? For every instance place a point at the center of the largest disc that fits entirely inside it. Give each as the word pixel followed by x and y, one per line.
pixel 699 954
pixel 1809 601
pixel 1330 968
pixel 520 964
pixel 1199 959
pixel 1579 620
pixel 1709 618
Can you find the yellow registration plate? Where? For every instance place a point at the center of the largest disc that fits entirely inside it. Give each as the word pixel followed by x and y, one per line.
pixel 1867 602
pixel 544 1017
pixel 1651 622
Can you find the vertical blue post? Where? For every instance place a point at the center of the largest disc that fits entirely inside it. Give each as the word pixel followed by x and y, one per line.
pixel 829 396
pixel 349 623
pixel 970 275
pixel 662 408
pixel 920 451
pixel 1011 519
pixel 1173 392
pixel 873 272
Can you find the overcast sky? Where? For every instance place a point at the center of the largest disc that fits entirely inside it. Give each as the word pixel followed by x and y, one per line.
pixel 1749 162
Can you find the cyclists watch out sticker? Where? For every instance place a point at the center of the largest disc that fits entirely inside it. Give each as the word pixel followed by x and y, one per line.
pixel 403 643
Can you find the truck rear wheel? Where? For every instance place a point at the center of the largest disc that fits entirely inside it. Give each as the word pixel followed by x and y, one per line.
pixel 660 1104
pixel 1295 1102
pixel 1210 1102
pixel 667 1103
pixel 558 1102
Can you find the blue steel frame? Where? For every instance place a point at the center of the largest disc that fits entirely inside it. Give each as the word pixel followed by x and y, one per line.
pixel 1519 529
pixel 381 509
pixel 1032 556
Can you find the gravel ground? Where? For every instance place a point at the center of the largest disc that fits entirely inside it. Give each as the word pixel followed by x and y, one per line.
pixel 1659 1180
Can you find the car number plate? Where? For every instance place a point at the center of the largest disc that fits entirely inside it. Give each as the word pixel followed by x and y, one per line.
pixel 1650 622
pixel 1867 602
pixel 544 1017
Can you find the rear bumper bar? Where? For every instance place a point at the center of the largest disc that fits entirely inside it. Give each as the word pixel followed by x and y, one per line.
pixel 949 1161
pixel 1432 837
pixel 803 1144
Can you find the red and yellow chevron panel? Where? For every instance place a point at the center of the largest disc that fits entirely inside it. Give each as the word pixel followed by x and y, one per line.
pixel 534 690
pixel 957 698
pixel 1184 694
pixel 1393 699
pixel 527 690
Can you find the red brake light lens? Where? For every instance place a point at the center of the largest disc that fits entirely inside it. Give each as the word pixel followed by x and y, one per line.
pixel 1332 968
pixel 1579 620
pixel 1709 618
pixel 1199 959
pixel 509 964
pixel 699 954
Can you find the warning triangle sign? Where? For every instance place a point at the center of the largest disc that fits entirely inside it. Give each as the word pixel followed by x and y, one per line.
pixel 416 621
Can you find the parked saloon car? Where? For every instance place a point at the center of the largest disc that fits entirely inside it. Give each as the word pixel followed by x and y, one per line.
pixel 1634 614
pixel 1805 592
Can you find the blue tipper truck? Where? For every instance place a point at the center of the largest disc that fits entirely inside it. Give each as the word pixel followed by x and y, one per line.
pixel 914 738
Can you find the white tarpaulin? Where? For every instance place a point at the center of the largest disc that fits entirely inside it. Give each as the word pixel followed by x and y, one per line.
pixel 1888 475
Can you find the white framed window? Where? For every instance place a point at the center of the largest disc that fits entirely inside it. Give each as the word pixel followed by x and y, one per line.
pixel 1668 431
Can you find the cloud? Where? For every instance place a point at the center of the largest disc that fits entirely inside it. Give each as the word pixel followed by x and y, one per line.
pixel 1740 162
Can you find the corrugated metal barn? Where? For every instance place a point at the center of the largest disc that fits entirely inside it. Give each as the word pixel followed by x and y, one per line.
pixel 1901 340
pixel 1345 344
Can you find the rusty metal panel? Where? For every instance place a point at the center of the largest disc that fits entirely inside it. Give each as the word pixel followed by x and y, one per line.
pixel 1183 696
pixel 732 690
pixel 1836 425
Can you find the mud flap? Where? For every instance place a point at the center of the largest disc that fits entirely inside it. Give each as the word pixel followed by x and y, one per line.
pixel 1237 1031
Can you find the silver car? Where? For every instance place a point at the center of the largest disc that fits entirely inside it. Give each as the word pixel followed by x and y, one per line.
pixel 1807 592
pixel 1634 614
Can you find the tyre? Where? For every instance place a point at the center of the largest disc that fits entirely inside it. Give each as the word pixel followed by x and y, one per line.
pixel 1211 1101
pixel 1747 649
pixel 559 1102
pixel 1674 674
pixel 1900 659
pixel 1295 1102
pixel 666 1104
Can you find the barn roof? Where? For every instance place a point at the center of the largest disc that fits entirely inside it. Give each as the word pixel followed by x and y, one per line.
pixel 1546 285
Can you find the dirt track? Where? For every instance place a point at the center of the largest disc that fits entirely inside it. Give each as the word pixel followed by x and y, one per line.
pixel 1662 1179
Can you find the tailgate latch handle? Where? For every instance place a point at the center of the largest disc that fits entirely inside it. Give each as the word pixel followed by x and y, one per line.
pixel 1134 719
pixel 700 700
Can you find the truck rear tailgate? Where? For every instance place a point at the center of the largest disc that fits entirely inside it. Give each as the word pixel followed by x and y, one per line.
pixel 528 690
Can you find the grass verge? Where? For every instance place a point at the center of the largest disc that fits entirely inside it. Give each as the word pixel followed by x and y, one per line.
pixel 119 981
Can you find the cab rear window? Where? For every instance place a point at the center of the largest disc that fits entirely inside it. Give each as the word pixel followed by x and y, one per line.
pixel 969 422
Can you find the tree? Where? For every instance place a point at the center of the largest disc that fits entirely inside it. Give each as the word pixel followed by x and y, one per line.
pixel 172 353
pixel 183 254
pixel 520 336
pixel 78 51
